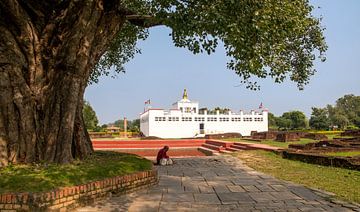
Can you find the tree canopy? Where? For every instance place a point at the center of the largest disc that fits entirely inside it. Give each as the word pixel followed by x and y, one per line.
pixel 349 106
pixel 345 113
pixel 319 119
pixel 298 119
pixel 262 38
pixel 51 49
pixel 90 118
pixel 288 120
pixel 272 120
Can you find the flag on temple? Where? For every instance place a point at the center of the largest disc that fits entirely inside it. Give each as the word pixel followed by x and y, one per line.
pixel 147 102
pixel 261 106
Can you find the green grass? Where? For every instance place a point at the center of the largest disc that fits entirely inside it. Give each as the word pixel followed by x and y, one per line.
pixel 274 143
pixel 344 154
pixel 332 136
pixel 342 182
pixel 338 132
pixel 42 177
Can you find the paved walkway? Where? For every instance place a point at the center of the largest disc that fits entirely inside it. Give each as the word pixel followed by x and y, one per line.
pixel 220 183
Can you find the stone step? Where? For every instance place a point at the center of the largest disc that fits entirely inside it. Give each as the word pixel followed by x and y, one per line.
pixel 207 151
pixel 213 147
pixel 218 143
pixel 225 151
pixel 256 146
pixel 231 149
pixel 240 146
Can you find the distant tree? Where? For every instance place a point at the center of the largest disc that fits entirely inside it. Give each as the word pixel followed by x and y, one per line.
pixel 272 120
pixel 349 106
pixel 345 113
pixel 213 111
pixel 341 121
pixel 337 117
pixel 135 125
pixel 103 127
pixel 119 123
pixel 319 119
pixel 297 118
pixel 283 123
pixel 90 118
pixel 221 110
pixel 201 110
pixel 132 125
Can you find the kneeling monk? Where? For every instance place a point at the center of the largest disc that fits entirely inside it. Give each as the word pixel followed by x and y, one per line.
pixel 162 158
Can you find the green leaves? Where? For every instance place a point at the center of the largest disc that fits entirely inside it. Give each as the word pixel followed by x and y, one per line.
pixel 89 115
pixel 289 120
pixel 345 113
pixel 262 38
pixel 319 119
pixel 121 51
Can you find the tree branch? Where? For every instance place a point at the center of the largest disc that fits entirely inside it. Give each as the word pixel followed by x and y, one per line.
pixel 146 21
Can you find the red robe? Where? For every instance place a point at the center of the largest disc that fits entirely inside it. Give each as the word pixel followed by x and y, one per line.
pixel 161 154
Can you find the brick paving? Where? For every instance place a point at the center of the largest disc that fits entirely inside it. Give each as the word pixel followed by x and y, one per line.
pixel 219 183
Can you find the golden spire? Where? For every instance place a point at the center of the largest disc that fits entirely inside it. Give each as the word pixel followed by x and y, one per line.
pixel 185 94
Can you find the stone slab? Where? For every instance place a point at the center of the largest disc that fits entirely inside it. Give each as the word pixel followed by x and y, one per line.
pixel 207 198
pixel 218 183
pixel 178 197
pixel 235 197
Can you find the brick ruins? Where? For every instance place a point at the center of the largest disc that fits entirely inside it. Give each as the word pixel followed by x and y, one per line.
pixel 315 152
pixel 283 136
pixel 223 135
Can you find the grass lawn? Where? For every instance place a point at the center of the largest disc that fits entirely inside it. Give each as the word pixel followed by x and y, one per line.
pixel 332 136
pixel 344 154
pixel 42 177
pixel 274 143
pixel 343 182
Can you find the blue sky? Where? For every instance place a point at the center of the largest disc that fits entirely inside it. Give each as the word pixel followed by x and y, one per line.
pixel 162 71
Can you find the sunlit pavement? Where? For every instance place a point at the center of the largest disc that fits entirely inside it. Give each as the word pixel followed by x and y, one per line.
pixel 219 183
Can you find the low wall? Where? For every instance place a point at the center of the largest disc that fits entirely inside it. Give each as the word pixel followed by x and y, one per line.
pixel 264 135
pixel 315 136
pixel 223 136
pixel 71 197
pixel 324 160
pixel 287 136
pixel 355 133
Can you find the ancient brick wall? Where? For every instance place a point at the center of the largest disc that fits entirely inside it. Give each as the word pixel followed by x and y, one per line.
pixel 223 136
pixel 287 136
pixel 315 136
pixel 264 135
pixel 71 197
pixel 343 162
pixel 355 133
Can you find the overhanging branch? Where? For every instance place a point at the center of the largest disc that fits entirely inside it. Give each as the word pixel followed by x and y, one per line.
pixel 146 21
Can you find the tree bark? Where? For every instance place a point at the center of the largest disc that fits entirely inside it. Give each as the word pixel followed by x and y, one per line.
pixel 47 52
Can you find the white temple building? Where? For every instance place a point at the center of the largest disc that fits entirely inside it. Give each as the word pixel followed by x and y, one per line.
pixel 185 120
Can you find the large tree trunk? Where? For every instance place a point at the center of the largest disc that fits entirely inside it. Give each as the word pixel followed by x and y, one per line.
pixel 46 55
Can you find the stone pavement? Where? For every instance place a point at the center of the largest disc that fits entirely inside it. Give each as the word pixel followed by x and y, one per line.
pixel 219 183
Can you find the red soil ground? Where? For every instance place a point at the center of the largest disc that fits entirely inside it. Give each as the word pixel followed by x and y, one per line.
pixel 171 153
pixel 111 144
pixel 149 148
